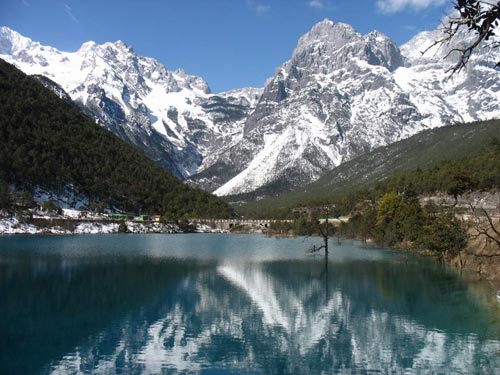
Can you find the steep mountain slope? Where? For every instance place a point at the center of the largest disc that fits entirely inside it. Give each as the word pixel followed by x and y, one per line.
pixel 46 142
pixel 421 151
pixel 171 116
pixel 473 94
pixel 343 94
pixel 307 115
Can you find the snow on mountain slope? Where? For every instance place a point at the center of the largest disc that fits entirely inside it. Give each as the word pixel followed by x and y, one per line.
pixel 250 94
pixel 171 116
pixel 342 94
pixel 334 99
pixel 473 94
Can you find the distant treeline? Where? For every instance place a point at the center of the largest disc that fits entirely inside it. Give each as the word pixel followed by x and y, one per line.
pixel 467 173
pixel 47 142
pixel 394 220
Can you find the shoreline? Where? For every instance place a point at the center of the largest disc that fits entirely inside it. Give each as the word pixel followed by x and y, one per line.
pixel 64 226
pixel 472 260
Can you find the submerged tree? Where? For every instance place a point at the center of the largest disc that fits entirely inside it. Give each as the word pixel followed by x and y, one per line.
pixel 325 230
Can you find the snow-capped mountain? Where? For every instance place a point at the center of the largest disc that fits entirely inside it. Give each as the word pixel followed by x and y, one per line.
pixel 171 116
pixel 343 94
pixel 340 95
pixel 470 95
pixel 313 113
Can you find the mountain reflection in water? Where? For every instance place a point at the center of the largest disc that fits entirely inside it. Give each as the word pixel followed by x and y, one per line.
pixel 152 311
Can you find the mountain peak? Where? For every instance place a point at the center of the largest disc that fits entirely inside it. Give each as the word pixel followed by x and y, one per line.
pixel 7 31
pixel 87 46
pixel 329 32
pixel 377 34
pixel 11 41
pixel 180 72
pixel 122 45
pixel 325 27
pixel 331 44
pixel 324 24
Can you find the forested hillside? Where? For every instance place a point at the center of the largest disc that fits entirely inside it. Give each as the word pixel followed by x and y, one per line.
pixel 450 159
pixel 47 142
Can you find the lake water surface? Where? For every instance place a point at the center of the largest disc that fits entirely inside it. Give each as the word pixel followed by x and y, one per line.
pixel 235 304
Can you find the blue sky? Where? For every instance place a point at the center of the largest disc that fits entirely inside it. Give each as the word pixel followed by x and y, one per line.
pixel 230 43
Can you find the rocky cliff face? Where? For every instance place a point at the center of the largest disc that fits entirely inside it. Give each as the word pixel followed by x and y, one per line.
pixel 341 94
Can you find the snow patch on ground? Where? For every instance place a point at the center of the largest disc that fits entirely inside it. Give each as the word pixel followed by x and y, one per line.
pixel 12 225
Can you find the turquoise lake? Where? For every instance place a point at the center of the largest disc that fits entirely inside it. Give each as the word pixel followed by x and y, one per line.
pixel 236 304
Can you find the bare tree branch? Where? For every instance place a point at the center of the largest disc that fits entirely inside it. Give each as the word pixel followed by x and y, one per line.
pixel 315 249
pixel 484 229
pixel 477 17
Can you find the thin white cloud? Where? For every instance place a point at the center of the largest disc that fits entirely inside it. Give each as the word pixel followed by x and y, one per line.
pixel 69 12
pixel 26 4
pixel 394 6
pixel 258 8
pixel 261 8
pixel 316 4
pixel 321 5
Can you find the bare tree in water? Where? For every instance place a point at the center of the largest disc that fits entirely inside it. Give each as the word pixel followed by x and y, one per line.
pixel 325 234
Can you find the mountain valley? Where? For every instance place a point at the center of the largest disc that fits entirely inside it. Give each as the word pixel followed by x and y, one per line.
pixel 341 94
